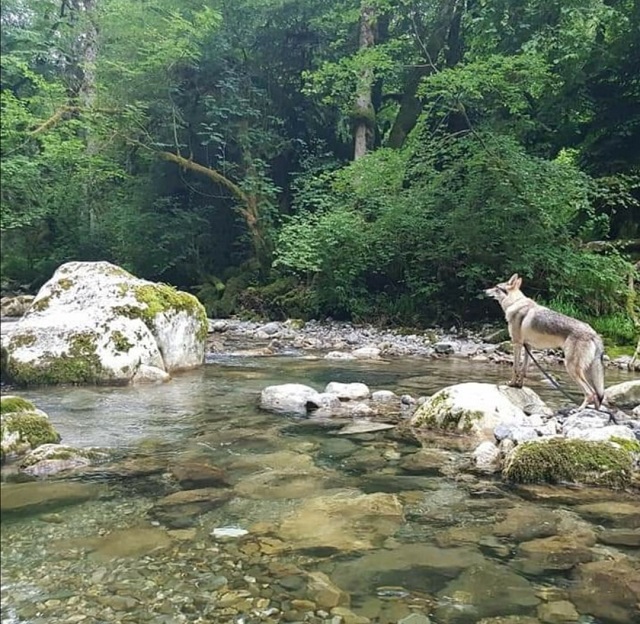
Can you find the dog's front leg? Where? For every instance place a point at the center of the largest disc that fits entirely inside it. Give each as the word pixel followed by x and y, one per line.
pixel 517 377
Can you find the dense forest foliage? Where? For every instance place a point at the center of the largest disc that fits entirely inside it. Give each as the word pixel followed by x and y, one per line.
pixel 376 160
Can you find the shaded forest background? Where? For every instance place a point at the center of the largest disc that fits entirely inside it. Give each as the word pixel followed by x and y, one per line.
pixel 373 160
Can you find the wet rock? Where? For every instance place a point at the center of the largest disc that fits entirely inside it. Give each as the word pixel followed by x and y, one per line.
pixel 150 374
pixel 557 612
pixel 557 460
pixel 475 409
pixel 365 460
pixel 364 426
pixel 625 395
pixel 384 396
pixel 45 495
pixel 426 461
pixel 132 542
pixel 348 391
pixel 612 514
pixel 324 592
pixel 288 398
pixel 337 448
pixel 560 552
pixel 50 459
pixel 607 589
pixel 486 457
pixel 194 475
pixel 345 521
pixel 367 353
pixel 620 537
pixel 416 567
pixel 562 495
pixel 180 509
pixel 525 523
pixel 485 590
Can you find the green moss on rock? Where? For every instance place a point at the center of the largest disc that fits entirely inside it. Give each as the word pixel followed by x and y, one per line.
pixel 31 427
pixel 575 461
pixel 80 364
pixel 42 304
pixel 120 341
pixel 158 298
pixel 10 404
pixel 24 339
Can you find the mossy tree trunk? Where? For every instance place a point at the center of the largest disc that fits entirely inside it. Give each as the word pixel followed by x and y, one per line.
pixel 364 113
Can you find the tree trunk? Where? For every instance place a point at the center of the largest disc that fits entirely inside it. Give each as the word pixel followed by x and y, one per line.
pixel 364 113
pixel 445 31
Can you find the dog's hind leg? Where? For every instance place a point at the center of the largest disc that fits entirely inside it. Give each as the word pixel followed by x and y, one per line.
pixel 577 368
pixel 517 376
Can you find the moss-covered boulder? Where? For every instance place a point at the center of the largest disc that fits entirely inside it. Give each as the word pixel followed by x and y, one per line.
pixel 475 409
pixel 23 427
pixel 564 460
pixel 93 322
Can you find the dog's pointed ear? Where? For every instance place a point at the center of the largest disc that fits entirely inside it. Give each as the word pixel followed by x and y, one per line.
pixel 518 283
pixel 513 279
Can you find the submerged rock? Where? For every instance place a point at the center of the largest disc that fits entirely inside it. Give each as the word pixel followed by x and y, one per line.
pixel 45 495
pixel 50 459
pixel 608 590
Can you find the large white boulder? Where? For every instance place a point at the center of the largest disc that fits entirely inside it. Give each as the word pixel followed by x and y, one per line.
pixel 472 408
pixel 290 398
pixel 93 322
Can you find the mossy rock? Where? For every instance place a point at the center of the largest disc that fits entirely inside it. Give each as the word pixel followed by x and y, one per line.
pixel 23 431
pixel 558 460
pixel 80 364
pixel 10 404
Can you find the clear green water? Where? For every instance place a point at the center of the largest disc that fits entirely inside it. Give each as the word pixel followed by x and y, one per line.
pixel 107 558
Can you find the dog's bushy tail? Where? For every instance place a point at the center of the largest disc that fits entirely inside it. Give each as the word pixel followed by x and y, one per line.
pixel 595 371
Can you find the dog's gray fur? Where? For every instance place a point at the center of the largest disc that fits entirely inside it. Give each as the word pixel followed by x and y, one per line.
pixel 534 325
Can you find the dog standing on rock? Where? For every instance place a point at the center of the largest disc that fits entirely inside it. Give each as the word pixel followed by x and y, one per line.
pixel 533 325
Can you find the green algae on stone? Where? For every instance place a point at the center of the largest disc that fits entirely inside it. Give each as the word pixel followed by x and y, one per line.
pixel 558 460
pixel 30 428
pixel 437 413
pixel 80 364
pixel 120 341
pixel 159 298
pixel 10 404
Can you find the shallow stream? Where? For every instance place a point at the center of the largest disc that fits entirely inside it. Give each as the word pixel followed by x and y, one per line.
pixel 338 528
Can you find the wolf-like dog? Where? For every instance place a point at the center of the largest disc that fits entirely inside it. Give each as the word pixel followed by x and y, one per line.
pixel 533 325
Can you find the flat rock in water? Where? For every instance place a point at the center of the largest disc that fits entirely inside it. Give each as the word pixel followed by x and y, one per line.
pixel 364 426
pixel 38 496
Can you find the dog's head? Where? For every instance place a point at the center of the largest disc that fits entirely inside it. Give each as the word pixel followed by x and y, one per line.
pixel 501 291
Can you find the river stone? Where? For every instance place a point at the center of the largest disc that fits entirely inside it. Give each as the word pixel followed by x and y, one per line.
pixel 289 398
pixel 620 537
pixel 45 495
pixel 93 322
pixel 131 542
pixel 548 554
pixel 525 523
pixel 487 457
pixel 50 459
pixel 612 514
pixel 364 426
pixel 22 431
pixel 560 495
pixel 557 612
pixel 475 409
pixel 607 589
pixel 195 475
pixel 324 592
pixel 416 567
pixel 426 461
pixel 384 396
pixel 345 521
pixel 485 590
pixel 367 353
pixel 625 395
pixel 181 509
pixel 348 391
pixel 150 374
